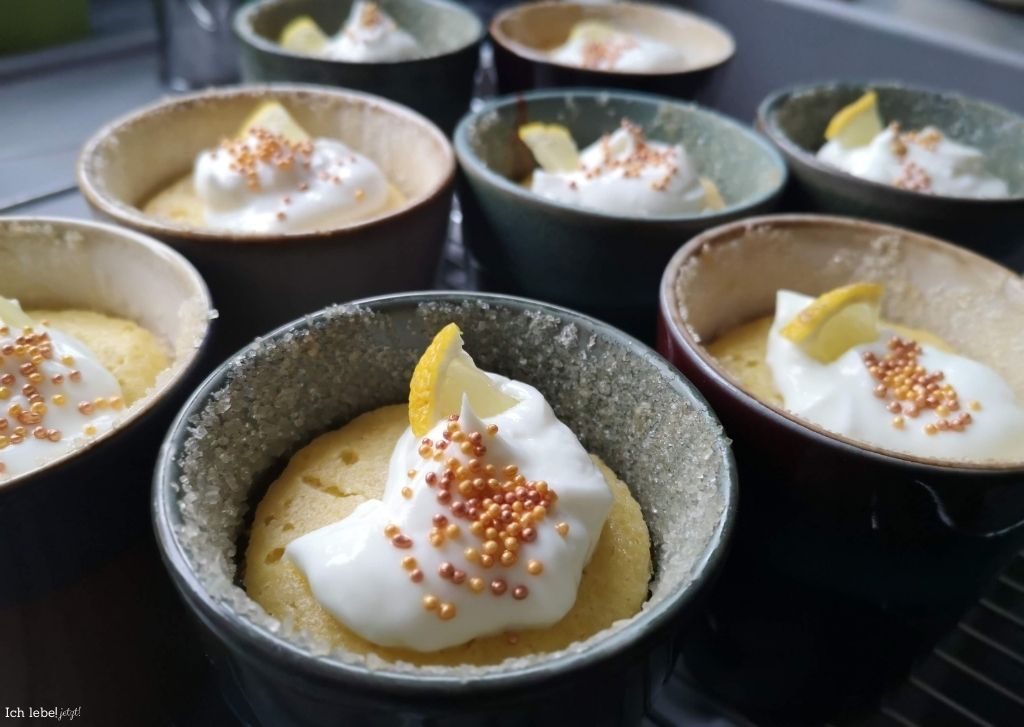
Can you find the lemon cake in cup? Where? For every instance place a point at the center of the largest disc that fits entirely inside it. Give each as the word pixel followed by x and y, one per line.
pixel 428 597
pixel 866 375
pixel 99 329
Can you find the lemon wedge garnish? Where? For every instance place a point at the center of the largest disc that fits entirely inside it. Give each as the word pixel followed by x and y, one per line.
pixel 836 321
pixel 857 124
pixel 444 373
pixel 552 146
pixel 12 315
pixel 274 117
pixel 713 199
pixel 592 31
pixel 303 35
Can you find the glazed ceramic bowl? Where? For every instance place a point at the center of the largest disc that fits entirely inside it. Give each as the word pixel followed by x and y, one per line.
pixel 905 539
pixel 524 36
pixel 260 281
pixel 618 396
pixel 795 120
pixel 62 519
pixel 439 85
pixel 603 263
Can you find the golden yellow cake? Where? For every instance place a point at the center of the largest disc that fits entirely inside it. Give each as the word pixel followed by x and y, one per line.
pixel 128 351
pixel 179 203
pixel 325 481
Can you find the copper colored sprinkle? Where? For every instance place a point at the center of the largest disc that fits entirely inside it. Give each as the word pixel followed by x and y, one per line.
pixel 498 586
pixel 520 592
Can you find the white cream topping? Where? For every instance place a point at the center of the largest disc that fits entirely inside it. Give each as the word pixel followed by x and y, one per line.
pixel 629 52
pixel 924 161
pixel 839 396
pixel 371 35
pixel 263 184
pixel 355 570
pixel 623 173
pixel 68 371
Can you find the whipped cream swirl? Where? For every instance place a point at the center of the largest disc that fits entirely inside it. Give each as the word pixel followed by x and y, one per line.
pixel 843 397
pixel 55 395
pixel 919 161
pixel 618 51
pixel 420 568
pixel 624 173
pixel 371 35
pixel 263 182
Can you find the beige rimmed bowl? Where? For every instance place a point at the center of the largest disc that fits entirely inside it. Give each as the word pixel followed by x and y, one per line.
pixel 259 281
pixel 69 515
pixel 525 35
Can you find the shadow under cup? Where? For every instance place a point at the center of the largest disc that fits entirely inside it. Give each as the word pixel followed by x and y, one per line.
pixel 622 400
pixel 857 559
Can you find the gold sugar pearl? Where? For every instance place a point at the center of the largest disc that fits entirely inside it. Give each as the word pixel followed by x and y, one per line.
pixel 452 531
pixel 562 529
pixel 390 530
pixel 447 611
pixel 534 567
pixel 407 493
pixel 508 558
pixel 476 584
pixel 430 603
pixel 409 563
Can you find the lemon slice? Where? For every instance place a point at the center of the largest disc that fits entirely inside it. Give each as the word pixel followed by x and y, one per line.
pixel 552 146
pixel 303 35
pixel 857 124
pixel 444 373
pixel 592 31
pixel 12 315
pixel 272 116
pixel 713 199
pixel 836 321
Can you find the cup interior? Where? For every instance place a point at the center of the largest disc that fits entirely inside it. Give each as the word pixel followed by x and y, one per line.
pixel 624 402
pixel 800 117
pixel 134 157
pixel 439 27
pixel 70 264
pixel 743 166
pixel 535 29
pixel 730 275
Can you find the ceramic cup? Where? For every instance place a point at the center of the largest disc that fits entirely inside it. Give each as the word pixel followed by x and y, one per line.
pixel 260 281
pixel 795 120
pixel 524 35
pixel 604 263
pixel 873 552
pixel 68 516
pixel 439 85
pixel 623 401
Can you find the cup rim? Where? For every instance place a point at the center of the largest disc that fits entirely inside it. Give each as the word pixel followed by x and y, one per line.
pixel 179 369
pixel 677 328
pixel 242 25
pixel 798 155
pixel 134 218
pixel 271 646
pixel 534 55
pixel 473 165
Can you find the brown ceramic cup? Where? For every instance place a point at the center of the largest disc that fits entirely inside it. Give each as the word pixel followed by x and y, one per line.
pixel 260 281
pixel 885 537
pixel 524 35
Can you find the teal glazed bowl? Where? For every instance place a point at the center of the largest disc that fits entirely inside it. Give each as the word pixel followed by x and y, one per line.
pixel 795 120
pixel 625 403
pixel 439 85
pixel 524 35
pixel 606 264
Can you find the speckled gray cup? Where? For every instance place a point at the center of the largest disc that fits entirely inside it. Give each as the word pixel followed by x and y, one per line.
pixel 604 263
pixel 795 120
pixel 624 402
pixel 439 85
